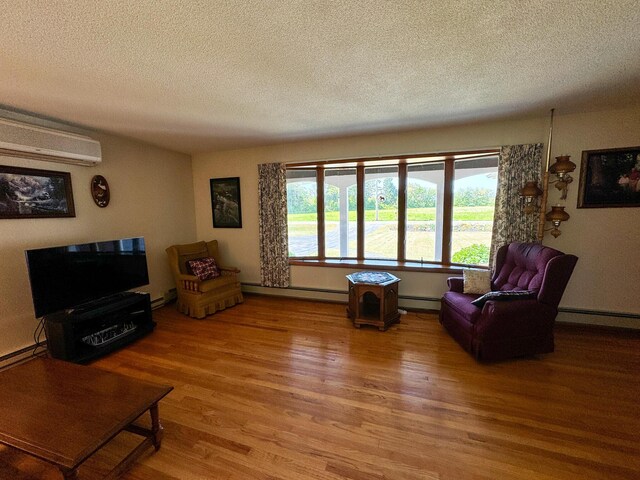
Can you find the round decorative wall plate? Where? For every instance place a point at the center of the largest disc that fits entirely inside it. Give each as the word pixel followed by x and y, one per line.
pixel 100 191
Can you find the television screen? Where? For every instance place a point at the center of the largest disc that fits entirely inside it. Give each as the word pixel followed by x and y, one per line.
pixel 66 277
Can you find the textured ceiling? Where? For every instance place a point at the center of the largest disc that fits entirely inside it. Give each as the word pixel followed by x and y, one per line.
pixel 204 75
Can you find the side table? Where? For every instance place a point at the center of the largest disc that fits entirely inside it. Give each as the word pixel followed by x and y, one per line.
pixel 373 299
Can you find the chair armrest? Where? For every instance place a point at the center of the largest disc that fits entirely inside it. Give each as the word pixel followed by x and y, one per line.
pixel 456 284
pixel 189 282
pixel 515 318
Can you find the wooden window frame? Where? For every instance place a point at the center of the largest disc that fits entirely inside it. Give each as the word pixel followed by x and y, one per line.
pixel 402 162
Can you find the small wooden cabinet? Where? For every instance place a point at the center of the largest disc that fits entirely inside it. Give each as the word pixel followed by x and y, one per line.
pixel 373 299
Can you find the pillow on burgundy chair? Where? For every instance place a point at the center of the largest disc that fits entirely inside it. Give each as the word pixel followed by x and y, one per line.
pixel 204 268
pixel 504 295
pixel 476 281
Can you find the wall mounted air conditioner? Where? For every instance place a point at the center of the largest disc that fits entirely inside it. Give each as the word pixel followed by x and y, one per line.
pixel 23 140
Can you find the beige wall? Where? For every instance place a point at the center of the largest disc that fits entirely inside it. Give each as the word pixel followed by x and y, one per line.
pixel 151 196
pixel 604 239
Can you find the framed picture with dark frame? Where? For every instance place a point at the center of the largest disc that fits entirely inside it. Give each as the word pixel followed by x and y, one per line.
pixel 225 202
pixel 31 193
pixel 610 178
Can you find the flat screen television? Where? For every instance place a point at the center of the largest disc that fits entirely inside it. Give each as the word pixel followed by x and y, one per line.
pixel 70 276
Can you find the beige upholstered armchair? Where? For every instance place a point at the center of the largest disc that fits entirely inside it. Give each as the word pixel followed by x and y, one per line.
pixel 199 298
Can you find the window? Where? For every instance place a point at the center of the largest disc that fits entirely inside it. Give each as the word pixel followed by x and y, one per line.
pixel 302 210
pixel 474 194
pixel 425 200
pixel 340 212
pixel 411 210
pixel 381 212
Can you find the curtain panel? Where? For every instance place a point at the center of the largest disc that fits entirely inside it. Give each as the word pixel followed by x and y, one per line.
pixel 517 165
pixel 274 245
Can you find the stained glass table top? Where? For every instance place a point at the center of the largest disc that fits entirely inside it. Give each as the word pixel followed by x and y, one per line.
pixel 372 278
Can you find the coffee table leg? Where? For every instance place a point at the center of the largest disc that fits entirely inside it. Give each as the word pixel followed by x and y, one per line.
pixel 156 428
pixel 69 474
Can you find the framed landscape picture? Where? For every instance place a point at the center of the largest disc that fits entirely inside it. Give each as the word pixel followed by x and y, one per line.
pixel 610 178
pixel 225 202
pixel 31 193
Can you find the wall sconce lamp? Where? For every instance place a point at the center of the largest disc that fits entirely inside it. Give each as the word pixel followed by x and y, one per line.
pixel 556 216
pixel 530 193
pixel 561 169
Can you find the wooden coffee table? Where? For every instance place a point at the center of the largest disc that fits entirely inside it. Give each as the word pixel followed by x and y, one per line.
pixel 63 413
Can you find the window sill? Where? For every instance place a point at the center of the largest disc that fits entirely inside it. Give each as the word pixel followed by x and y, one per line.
pixel 380 265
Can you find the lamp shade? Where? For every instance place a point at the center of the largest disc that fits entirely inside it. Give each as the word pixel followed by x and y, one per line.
pixel 563 165
pixel 531 190
pixel 557 214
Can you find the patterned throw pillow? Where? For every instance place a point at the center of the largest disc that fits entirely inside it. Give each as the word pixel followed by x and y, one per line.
pixel 204 268
pixel 476 281
pixel 504 295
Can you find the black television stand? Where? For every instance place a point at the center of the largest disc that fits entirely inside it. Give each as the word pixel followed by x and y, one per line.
pixel 100 303
pixel 92 330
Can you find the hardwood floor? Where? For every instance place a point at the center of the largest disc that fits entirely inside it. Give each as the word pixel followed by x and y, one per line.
pixel 288 389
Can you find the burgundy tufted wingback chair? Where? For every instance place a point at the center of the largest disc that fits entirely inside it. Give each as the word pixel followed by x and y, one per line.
pixel 505 329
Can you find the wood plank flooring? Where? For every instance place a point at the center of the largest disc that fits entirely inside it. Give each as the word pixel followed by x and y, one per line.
pixel 288 389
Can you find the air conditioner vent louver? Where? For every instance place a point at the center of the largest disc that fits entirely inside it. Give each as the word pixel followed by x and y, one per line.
pixel 24 140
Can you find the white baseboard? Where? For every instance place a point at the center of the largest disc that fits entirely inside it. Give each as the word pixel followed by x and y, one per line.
pixel 336 296
pixel 602 319
pixel 20 356
pixel 301 293
pixel 574 315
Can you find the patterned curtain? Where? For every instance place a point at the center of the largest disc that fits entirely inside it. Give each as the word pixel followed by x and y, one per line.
pixel 517 165
pixel 274 246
